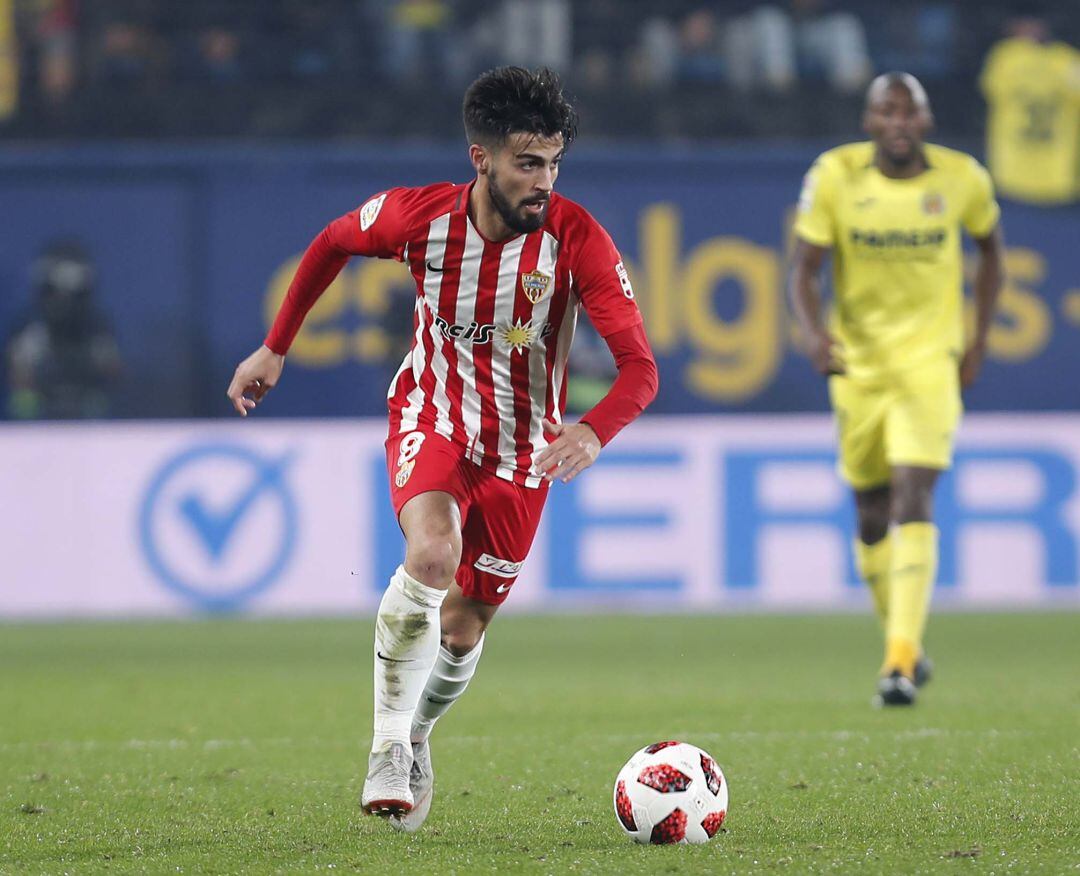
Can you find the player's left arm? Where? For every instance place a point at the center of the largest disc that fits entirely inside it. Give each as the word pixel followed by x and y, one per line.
pixel 989 277
pixel 982 220
pixel 608 298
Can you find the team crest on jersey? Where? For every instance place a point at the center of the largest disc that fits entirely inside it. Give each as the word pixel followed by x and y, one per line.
pixel 933 204
pixel 535 284
pixel 404 472
pixel 370 212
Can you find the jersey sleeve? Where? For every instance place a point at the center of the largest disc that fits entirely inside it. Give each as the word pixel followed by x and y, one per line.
pixel 981 211
pixel 379 228
pixel 634 387
pixel 603 283
pixel 815 221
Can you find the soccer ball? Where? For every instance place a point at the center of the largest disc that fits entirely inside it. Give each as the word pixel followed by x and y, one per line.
pixel 671 792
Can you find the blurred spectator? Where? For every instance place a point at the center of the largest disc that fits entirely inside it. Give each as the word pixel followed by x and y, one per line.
pixel 126 54
pixel 9 61
pixel 285 68
pixel 318 39
pixel 775 47
pixel 57 61
pixel 218 54
pixel 416 40
pixel 658 56
pixel 699 48
pixel 920 38
pixel 63 362
pixel 599 43
pixel 1032 86
pixel 537 33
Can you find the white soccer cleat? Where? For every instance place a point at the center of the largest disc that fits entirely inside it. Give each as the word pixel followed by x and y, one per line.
pixel 386 788
pixel 422 786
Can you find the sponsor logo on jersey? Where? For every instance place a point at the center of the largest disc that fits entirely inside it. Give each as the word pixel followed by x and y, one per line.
pixel 899 238
pixel 370 212
pixel 535 285
pixel 933 204
pixel 517 334
pixel 624 280
pixel 478 333
pixel 501 568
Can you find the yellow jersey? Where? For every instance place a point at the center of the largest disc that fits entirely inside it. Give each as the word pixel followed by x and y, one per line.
pixel 896 252
pixel 1033 131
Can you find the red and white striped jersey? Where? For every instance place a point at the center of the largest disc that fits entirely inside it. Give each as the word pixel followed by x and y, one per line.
pixel 493 321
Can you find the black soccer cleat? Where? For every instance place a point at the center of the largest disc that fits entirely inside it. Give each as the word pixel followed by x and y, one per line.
pixel 924 670
pixel 895 689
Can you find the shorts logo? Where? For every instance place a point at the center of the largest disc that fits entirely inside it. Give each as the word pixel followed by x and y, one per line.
pixel 406 461
pixel 535 285
pixel 624 280
pixel 370 212
pixel 495 566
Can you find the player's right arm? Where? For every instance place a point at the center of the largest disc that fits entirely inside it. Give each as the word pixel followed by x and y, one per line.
pixel 815 234
pixel 374 229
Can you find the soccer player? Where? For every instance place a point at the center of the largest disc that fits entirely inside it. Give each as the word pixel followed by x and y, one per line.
pixel 502 266
pixel 891 213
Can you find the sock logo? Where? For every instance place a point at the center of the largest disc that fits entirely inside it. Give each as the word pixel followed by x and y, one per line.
pixel 495 566
pixel 383 657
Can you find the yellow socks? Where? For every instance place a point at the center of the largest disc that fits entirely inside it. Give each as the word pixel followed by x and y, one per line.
pixel 912 572
pixel 872 564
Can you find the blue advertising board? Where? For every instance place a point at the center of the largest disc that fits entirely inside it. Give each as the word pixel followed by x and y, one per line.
pixel 195 249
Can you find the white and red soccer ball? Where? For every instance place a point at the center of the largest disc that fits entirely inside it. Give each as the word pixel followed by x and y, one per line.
pixel 671 792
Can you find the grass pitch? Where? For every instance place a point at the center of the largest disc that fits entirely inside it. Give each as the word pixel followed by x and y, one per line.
pixel 240 747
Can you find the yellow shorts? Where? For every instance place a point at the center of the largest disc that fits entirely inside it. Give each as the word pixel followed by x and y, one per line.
pixel 908 418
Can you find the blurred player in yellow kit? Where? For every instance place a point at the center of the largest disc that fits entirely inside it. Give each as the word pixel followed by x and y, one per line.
pixel 891 212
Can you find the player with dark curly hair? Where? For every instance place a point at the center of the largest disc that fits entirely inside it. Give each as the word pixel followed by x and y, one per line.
pixel 502 267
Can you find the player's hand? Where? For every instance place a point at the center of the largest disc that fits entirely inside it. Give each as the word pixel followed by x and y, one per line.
pixel 573 448
pixel 971 364
pixel 826 355
pixel 254 378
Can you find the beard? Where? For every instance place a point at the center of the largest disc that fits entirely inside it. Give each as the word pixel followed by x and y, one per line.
pixel 901 159
pixel 516 220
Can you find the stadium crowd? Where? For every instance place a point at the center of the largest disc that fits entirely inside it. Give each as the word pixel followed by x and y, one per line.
pixel 344 68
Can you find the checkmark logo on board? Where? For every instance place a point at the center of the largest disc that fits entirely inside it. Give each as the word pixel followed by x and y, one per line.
pixel 185 501
pixel 215 526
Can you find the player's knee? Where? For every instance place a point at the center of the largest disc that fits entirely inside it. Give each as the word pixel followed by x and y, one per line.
pixel 873 527
pixel 434 556
pixel 462 629
pixel 460 639
pixel 873 514
pixel 912 503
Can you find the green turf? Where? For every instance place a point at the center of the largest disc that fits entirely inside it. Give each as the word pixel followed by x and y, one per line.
pixel 239 747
